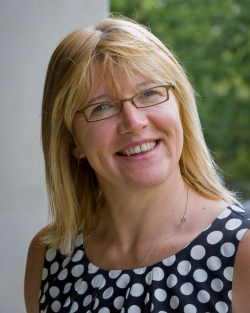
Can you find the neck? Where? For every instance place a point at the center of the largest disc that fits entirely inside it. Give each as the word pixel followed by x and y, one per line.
pixel 130 217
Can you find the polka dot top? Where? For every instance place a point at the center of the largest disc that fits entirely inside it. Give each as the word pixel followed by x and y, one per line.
pixel 196 279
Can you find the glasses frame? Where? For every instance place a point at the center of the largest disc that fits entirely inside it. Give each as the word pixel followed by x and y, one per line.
pixel 82 111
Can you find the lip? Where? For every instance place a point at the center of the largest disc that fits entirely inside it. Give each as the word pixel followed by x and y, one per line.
pixel 137 143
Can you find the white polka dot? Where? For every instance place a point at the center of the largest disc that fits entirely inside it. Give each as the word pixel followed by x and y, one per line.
pixel 114 274
pixel 54 292
pixel 103 283
pixel 151 307
pixel 108 293
pixel 230 294
pixel 104 310
pixel 146 298
pixel 227 249
pixel 203 296
pixel 62 250
pixel 217 285
pixel 240 233
pixel 78 256
pixel 45 273
pixel 134 309
pixel 228 273
pixel 82 288
pixel 79 240
pixel 63 274
pixel 92 268
pixel 198 252
pixel 158 274
pixel 77 283
pixel 118 303
pixel 127 293
pixel 123 281
pixel 213 263
pixel 169 261
pixel 214 237
pixel 236 208
pixel 66 262
pixel 54 268
pixel 40 291
pixel 56 306
pixel 200 275
pixel 67 287
pixel 171 281
pixel 96 281
pixel 184 267
pixel 224 214
pixel 190 308
pixel 187 289
pixel 67 302
pixel 45 287
pixel 50 254
pixel 77 270
pixel 96 303
pixel 221 307
pixel 162 312
pixel 87 300
pixel 140 271
pixel 43 299
pixel 149 278
pixel 233 224
pixel 174 302
pixel 74 307
pixel 137 290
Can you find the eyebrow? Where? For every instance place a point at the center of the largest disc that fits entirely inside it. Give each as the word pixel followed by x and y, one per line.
pixel 106 95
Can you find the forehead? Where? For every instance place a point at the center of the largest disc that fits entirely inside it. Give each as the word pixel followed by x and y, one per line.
pixel 118 85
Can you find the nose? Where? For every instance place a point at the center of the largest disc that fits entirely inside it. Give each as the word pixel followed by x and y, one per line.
pixel 132 119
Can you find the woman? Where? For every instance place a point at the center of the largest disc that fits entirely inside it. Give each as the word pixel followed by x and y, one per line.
pixel 141 220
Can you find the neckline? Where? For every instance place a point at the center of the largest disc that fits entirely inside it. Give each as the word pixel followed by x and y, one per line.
pixel 157 263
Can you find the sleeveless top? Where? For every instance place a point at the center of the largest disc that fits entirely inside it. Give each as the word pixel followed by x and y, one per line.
pixel 196 279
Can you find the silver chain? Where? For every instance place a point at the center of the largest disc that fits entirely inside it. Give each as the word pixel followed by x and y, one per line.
pixel 183 221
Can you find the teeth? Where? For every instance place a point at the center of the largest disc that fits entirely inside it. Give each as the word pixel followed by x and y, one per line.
pixel 142 148
pixel 137 149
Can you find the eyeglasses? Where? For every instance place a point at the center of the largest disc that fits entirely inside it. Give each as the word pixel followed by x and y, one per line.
pixel 146 98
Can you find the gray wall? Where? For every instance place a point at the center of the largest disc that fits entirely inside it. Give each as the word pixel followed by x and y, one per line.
pixel 30 31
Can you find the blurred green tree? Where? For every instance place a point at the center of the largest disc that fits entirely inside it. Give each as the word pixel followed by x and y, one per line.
pixel 212 40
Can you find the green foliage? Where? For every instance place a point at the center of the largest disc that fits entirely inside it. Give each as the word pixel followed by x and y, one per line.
pixel 212 40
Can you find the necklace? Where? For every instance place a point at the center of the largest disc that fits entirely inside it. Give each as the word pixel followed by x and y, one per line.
pixel 183 221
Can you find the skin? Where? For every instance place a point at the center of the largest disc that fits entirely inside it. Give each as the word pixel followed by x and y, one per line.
pixel 145 194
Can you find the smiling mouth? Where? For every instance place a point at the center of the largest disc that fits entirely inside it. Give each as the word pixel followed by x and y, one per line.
pixel 139 149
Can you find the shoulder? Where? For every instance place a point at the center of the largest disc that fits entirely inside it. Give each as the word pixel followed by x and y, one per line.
pixel 241 276
pixel 34 269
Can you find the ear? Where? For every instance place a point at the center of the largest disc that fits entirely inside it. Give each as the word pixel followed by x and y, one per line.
pixel 77 151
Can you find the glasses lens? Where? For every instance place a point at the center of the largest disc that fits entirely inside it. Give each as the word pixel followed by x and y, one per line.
pixel 102 110
pixel 151 97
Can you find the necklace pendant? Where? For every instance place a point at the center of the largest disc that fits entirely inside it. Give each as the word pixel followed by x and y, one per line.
pixel 183 220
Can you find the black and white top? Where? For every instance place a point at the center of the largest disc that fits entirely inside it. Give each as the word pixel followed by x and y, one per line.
pixel 196 279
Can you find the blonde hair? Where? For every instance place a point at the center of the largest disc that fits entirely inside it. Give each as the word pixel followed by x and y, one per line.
pixel 121 45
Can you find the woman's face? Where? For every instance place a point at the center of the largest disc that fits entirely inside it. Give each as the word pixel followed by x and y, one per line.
pixel 105 142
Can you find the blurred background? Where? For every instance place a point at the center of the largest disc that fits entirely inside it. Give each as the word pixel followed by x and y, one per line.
pixel 29 32
pixel 210 38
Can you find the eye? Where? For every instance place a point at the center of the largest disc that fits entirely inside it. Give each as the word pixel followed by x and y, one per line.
pixel 102 107
pixel 147 94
